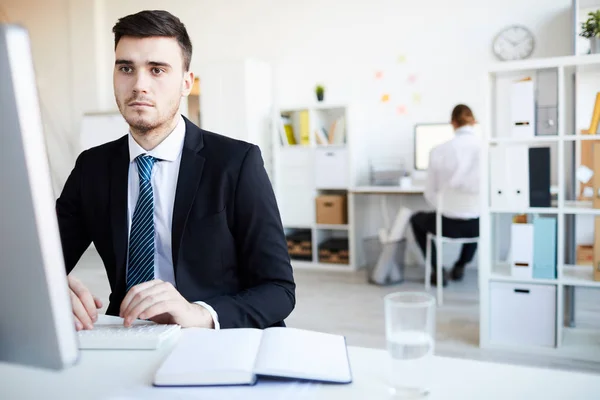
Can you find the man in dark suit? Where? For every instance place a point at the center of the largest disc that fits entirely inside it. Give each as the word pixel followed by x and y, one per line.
pixel 184 220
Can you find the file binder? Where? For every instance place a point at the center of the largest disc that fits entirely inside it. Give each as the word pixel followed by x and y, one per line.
pixel 544 248
pixel 522 106
pixel 539 177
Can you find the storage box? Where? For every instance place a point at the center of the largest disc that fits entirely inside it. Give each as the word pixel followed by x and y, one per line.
pixel 522 314
pixel 331 209
pixel 300 245
pixel 334 251
pixel 331 168
pixel 585 254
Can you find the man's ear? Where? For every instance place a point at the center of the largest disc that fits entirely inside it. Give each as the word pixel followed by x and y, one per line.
pixel 188 83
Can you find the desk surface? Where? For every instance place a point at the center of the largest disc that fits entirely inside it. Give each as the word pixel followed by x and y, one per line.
pixel 387 190
pixel 120 375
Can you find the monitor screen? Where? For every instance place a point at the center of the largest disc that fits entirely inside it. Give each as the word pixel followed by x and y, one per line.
pixel 428 136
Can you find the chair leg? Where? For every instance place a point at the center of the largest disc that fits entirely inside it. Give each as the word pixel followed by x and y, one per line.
pixel 440 277
pixel 428 264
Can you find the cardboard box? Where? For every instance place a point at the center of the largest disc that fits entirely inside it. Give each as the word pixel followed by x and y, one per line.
pixel 331 210
pixel 585 254
pixel 596 264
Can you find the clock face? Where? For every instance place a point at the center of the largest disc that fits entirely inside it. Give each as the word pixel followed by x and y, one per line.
pixel 513 43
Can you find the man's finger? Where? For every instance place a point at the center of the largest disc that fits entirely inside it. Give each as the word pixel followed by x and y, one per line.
pixel 169 306
pixel 152 291
pixel 78 324
pixel 86 298
pixel 98 302
pixel 133 292
pixel 80 312
pixel 148 301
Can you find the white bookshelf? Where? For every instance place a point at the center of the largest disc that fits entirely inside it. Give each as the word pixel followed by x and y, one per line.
pixel 296 182
pixel 570 342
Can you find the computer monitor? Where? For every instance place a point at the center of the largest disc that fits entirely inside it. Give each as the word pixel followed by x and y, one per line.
pixel 428 136
pixel 36 321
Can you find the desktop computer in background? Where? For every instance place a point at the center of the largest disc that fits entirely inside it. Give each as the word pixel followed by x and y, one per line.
pixel 428 136
pixel 36 322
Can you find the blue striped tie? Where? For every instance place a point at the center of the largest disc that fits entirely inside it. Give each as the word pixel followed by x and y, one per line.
pixel 141 238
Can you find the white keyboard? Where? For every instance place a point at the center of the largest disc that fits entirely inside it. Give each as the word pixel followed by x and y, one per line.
pixel 118 337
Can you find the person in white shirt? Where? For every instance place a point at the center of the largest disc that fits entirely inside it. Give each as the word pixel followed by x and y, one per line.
pixel 455 165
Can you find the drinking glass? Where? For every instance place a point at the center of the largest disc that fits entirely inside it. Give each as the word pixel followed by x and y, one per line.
pixel 410 333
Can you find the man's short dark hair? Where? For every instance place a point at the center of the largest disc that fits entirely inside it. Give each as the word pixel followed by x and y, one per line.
pixel 152 23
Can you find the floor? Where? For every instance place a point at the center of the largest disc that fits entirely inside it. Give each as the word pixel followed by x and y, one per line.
pixel 343 303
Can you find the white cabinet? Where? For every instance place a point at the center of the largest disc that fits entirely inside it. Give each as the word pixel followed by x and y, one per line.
pixel 522 314
pixel 331 168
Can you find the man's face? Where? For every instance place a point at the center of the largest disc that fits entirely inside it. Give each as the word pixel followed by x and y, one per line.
pixel 149 81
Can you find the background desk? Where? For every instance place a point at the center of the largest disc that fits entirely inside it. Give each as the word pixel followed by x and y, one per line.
pixel 120 375
pixel 387 190
pixel 367 223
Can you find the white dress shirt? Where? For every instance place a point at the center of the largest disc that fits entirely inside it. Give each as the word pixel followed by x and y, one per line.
pixel 455 165
pixel 164 183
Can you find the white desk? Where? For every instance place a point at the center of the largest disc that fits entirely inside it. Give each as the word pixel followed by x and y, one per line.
pixel 120 375
pixel 387 190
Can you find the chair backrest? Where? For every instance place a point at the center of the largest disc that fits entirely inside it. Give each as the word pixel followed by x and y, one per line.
pixel 456 201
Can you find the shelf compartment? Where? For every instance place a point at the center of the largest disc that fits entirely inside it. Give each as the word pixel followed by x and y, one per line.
pixel 578 275
pixel 501 273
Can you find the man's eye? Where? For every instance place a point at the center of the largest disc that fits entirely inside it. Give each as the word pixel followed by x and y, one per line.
pixel 126 69
pixel 157 71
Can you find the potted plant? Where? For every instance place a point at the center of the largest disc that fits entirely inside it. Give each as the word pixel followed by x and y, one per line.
pixel 320 91
pixel 591 29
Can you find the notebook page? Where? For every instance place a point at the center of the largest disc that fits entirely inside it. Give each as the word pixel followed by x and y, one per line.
pixel 211 357
pixel 302 354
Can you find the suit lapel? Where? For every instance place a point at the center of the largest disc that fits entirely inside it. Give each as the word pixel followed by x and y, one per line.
pixel 190 174
pixel 119 172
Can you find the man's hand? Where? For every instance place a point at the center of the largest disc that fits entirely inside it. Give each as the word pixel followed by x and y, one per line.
pixel 160 302
pixel 85 306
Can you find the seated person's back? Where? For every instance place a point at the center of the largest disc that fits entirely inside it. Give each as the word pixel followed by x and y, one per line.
pixel 452 165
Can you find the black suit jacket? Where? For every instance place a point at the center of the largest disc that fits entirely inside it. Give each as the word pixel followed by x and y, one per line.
pixel 229 249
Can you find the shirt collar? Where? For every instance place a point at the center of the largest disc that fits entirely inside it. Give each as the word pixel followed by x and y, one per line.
pixel 168 150
pixel 465 129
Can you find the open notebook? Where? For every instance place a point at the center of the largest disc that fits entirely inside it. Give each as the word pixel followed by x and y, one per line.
pixel 206 357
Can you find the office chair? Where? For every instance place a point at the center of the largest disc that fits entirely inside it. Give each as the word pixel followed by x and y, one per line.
pixel 448 201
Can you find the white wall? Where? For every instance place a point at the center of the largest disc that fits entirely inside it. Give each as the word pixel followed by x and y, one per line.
pixel 62 40
pixel 339 43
